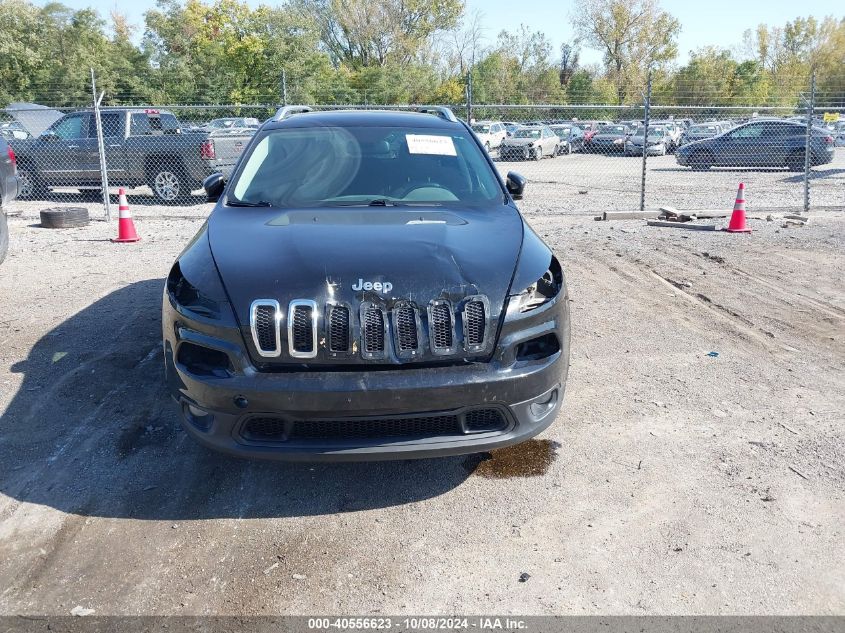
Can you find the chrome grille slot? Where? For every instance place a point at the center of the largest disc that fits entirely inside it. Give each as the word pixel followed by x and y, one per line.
pixel 373 330
pixel 302 328
pixel 338 328
pixel 264 315
pixel 476 310
pixel 406 326
pixel 441 325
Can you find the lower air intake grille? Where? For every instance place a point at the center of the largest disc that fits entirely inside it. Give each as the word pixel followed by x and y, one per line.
pixel 406 328
pixel 267 429
pixel 265 332
pixel 374 428
pixel 440 316
pixel 474 324
pixel 372 330
pixel 338 329
pixel 340 430
pixel 484 420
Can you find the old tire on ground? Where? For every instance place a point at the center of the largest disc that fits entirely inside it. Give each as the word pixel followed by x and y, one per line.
pixel 169 182
pixel 64 217
pixel 4 236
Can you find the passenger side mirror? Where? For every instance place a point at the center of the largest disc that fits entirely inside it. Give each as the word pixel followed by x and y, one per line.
pixel 515 184
pixel 214 185
pixel 49 135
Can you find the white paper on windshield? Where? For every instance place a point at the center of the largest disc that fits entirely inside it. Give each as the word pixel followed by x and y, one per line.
pixel 430 144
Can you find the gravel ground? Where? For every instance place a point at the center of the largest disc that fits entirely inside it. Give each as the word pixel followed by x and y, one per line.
pixel 672 482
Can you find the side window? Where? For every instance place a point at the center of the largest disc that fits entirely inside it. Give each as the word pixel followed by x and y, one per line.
pixel 169 123
pixel 139 125
pixel 70 127
pixel 111 122
pixel 749 131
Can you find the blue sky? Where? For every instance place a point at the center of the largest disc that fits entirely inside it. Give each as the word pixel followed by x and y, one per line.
pixel 704 22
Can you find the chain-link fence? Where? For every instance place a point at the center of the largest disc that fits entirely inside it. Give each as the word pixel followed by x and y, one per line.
pixel 587 158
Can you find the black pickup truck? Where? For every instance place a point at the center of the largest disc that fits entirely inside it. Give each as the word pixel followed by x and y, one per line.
pixel 142 146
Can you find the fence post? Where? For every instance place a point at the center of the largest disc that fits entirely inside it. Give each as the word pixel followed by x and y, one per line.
pixel 811 110
pixel 284 87
pixel 469 96
pixel 104 176
pixel 645 138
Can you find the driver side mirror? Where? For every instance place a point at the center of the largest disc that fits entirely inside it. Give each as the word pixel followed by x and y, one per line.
pixel 515 185
pixel 214 185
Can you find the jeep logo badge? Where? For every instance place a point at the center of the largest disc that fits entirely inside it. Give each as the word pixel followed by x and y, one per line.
pixel 378 286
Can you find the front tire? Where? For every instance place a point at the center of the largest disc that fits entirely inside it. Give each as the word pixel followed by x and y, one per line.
pixel 700 161
pixel 795 162
pixel 30 187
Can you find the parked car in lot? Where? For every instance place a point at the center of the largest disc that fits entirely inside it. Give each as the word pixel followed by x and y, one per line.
pixel 142 147
pixel 228 123
pixel 365 288
pixel 590 129
pixel 655 143
pixel 8 191
pixel 839 134
pixel 672 131
pixel 510 126
pixel 766 143
pixel 490 133
pixel 529 142
pixel 570 138
pixel 610 138
pixel 699 132
pixel 13 130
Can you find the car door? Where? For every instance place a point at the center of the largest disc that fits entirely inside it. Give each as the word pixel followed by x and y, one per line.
pixel 113 135
pixel 59 151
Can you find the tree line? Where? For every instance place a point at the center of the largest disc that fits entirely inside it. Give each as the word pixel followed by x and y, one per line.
pixel 399 52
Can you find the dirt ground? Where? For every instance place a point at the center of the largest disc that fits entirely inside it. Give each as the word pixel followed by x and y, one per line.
pixel 677 482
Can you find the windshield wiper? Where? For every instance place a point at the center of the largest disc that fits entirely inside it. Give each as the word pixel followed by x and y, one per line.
pixel 248 203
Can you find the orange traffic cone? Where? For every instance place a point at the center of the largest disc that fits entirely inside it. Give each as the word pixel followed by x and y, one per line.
pixel 737 223
pixel 125 226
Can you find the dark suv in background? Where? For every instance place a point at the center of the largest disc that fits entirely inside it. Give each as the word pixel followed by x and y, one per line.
pixel 8 191
pixel 761 143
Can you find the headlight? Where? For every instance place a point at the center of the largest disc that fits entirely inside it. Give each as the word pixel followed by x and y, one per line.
pixel 541 291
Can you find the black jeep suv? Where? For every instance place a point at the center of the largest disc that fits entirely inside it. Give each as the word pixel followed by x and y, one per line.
pixel 365 288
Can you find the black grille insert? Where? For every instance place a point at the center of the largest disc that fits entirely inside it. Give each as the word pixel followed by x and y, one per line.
pixel 372 330
pixel 475 323
pixel 406 328
pixel 441 325
pixel 479 420
pixel 265 329
pixel 264 429
pixel 338 328
pixel 412 426
pixel 303 333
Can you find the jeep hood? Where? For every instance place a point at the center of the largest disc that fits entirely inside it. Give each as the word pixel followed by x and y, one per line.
pixel 425 253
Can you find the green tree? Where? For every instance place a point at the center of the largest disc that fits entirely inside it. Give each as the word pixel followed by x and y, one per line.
pixel 632 35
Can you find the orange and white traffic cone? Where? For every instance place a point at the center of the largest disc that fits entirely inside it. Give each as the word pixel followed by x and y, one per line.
pixel 125 226
pixel 737 223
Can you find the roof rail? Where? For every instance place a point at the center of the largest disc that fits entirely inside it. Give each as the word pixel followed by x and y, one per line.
pixel 288 111
pixel 442 111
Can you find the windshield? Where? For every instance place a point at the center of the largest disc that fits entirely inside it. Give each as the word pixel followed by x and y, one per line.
pixel 703 129
pixel 481 129
pixel 222 123
pixel 346 166
pixel 527 133
pixel 613 129
pixel 651 132
pixel 561 131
